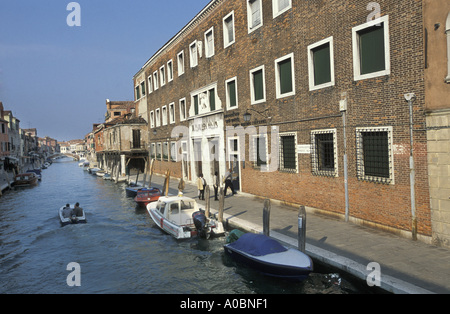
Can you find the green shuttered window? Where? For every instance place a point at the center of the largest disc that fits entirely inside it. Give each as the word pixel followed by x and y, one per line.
pixel 372 49
pixel 322 66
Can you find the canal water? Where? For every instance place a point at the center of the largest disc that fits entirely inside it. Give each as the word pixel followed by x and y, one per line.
pixel 119 250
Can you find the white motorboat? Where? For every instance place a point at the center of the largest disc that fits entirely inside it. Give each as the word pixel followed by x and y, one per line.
pixel 181 217
pixel 71 219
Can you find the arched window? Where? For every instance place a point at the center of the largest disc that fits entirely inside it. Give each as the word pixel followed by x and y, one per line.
pixel 447 31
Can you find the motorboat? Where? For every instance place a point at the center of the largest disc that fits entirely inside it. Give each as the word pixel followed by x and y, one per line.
pixel 71 219
pixel 107 176
pixel 25 179
pixel 268 256
pixel 100 173
pixel 94 170
pixel 37 172
pixel 145 196
pixel 132 190
pixel 176 214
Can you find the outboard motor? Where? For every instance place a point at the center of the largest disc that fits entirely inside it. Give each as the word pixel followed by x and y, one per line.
pixel 201 224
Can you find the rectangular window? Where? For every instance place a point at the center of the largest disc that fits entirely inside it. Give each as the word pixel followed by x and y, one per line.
pixel 196 104
pixel 158 151
pixel 152 119
pixel 164 115
pixel 254 14
pixel 153 150
pixel 165 152
pixel 260 151
pixel 143 88
pixel 209 43
pixel 288 155
pixel 157 117
pixel 162 75
pixel 284 68
pixel 193 54
pixel 228 30
pixel 150 84
pixel 280 6
pixel 173 151
pixel 212 99
pixel 321 64
pixel 231 89
pixel 138 93
pixel 324 152
pixel 155 80
pixel 172 113
pixel 169 71
pixel 371 49
pixel 183 109
pixel 180 62
pixel 374 154
pixel 257 85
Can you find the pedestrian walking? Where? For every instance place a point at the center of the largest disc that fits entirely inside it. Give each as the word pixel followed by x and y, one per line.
pixel 216 185
pixel 201 184
pixel 228 183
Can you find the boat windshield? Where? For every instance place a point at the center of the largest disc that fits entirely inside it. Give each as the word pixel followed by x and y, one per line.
pixel 161 206
pixel 187 205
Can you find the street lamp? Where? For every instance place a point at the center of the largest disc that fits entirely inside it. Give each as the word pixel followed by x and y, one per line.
pixel 248 115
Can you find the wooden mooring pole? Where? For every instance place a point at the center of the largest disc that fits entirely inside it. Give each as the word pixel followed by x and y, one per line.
pixel 266 217
pixel 207 201
pixel 301 228
pixel 221 205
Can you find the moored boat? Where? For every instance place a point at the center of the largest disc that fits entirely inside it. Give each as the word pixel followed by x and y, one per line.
pixel 268 256
pixel 25 179
pixel 71 218
pixel 147 195
pixel 37 172
pixel 132 190
pixel 175 215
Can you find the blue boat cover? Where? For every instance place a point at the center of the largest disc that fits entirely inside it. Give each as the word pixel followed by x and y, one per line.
pixel 257 245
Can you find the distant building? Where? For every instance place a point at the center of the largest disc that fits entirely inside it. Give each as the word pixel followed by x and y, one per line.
pixel 4 138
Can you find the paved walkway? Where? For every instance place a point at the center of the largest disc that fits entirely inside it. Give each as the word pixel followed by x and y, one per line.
pixel 406 266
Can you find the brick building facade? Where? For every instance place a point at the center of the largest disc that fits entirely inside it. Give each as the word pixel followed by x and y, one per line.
pixel 437 102
pixel 295 97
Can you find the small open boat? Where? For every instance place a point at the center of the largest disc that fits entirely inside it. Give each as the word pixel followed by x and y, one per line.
pixel 71 219
pixel 147 195
pixel 25 179
pixel 177 215
pixel 269 257
pixel 37 172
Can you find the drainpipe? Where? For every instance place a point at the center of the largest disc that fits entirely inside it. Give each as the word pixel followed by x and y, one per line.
pixel 343 109
pixel 410 99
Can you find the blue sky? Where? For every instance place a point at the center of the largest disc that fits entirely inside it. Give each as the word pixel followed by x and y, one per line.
pixel 56 78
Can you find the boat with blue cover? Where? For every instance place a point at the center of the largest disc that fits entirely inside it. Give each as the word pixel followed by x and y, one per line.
pixel 268 256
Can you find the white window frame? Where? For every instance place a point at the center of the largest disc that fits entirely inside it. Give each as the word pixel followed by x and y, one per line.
pixel 252 91
pixel 447 32
pixel 150 84
pixel 180 63
pixel 360 155
pixel 153 150
pixel 164 115
pixel 277 76
pixel 250 16
pixel 208 53
pixel 193 55
pixel 228 93
pixel 275 8
pixel 255 153
pixel 173 156
pixel 155 80
pixel 152 119
pixel 159 148
pixel 158 117
pixel 315 158
pixel 356 55
pixel 311 47
pixel 172 113
pixel 183 112
pixel 162 76
pixel 169 71
pixel 282 169
pixel 226 40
